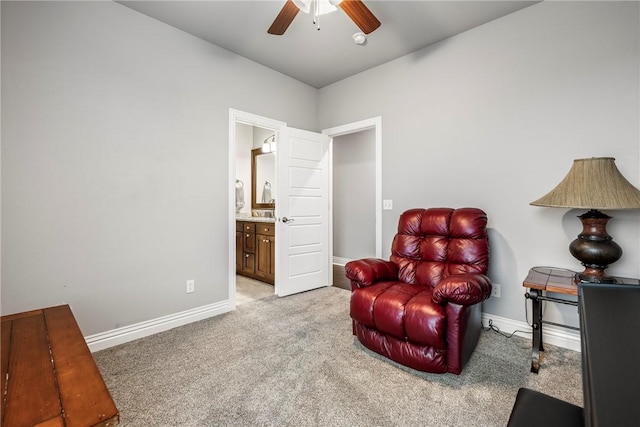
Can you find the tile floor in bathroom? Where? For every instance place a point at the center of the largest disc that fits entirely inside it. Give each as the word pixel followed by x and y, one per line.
pixel 250 290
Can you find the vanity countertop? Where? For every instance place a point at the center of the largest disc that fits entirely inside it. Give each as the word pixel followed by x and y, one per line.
pixel 255 219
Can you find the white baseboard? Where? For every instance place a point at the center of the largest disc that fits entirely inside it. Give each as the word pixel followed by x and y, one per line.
pixel 340 261
pixel 125 334
pixel 554 335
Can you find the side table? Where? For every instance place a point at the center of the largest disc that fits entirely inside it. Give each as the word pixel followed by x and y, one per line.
pixel 541 280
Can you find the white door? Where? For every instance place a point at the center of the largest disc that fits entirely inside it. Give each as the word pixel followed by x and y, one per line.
pixel 302 229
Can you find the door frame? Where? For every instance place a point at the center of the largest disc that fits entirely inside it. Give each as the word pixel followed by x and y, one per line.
pixel 346 129
pixel 237 116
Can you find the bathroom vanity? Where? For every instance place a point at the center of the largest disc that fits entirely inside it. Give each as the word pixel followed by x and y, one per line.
pixel 255 248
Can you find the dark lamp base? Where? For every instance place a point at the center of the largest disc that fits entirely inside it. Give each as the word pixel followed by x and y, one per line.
pixel 594 248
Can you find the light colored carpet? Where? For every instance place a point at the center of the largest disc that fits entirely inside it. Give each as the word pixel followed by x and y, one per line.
pixel 294 362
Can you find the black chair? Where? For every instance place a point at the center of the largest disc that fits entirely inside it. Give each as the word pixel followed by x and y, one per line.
pixel 535 409
pixel 609 325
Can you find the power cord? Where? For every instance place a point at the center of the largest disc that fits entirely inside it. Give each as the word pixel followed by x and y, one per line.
pixel 497 330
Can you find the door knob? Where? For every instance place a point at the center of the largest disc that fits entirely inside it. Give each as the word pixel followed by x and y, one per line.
pixel 285 219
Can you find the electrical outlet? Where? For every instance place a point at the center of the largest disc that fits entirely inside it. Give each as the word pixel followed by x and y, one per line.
pixel 191 286
pixel 387 205
pixel 495 290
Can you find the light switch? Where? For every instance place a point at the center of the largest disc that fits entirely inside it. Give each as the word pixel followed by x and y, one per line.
pixel 387 205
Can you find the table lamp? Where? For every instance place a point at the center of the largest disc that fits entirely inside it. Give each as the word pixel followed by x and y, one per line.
pixel 594 183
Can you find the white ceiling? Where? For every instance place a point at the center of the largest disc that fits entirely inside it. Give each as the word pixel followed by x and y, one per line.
pixel 322 57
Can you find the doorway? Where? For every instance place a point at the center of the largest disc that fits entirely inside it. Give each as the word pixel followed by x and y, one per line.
pixel 247 132
pixel 356 194
pixel 353 173
pixel 280 129
pixel 255 195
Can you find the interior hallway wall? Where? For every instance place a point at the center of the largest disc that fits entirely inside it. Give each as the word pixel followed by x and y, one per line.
pixel 354 196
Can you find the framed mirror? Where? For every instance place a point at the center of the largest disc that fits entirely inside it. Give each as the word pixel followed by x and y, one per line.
pixel 263 174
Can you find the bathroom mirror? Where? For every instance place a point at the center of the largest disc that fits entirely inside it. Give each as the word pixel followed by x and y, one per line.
pixel 263 174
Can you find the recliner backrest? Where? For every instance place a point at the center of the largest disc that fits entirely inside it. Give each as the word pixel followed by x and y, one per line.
pixel 434 243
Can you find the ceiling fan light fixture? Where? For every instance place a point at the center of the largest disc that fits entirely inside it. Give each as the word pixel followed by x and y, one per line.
pixel 303 5
pixel 355 9
pixel 323 6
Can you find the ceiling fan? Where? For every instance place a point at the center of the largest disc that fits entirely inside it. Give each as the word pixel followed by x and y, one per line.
pixel 355 9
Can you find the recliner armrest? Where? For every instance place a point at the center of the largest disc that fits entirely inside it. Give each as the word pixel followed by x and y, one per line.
pixel 463 289
pixel 368 271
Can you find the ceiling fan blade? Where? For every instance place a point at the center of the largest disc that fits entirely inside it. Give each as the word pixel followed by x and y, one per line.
pixel 360 14
pixel 284 18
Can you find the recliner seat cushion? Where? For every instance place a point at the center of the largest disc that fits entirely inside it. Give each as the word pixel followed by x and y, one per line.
pixel 404 311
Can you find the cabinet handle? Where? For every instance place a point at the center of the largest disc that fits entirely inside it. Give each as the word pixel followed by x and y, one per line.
pixel 246 255
pixel 247 235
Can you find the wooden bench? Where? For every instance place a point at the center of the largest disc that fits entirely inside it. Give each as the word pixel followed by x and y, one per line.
pixel 49 377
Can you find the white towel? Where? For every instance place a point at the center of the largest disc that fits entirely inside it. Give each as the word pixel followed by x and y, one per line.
pixel 239 195
pixel 266 192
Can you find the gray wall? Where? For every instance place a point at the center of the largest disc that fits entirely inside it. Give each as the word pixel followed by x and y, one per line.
pixel 354 174
pixel 115 160
pixel 115 146
pixel 494 117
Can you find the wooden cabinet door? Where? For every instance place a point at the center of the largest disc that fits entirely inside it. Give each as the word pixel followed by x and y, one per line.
pixel 248 263
pixel 271 273
pixel 265 257
pixel 249 237
pixel 246 248
pixel 248 242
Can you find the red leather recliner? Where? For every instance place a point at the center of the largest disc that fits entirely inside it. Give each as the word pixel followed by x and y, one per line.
pixel 422 307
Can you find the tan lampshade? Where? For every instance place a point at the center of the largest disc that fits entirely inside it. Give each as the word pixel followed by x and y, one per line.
pixel 594 183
